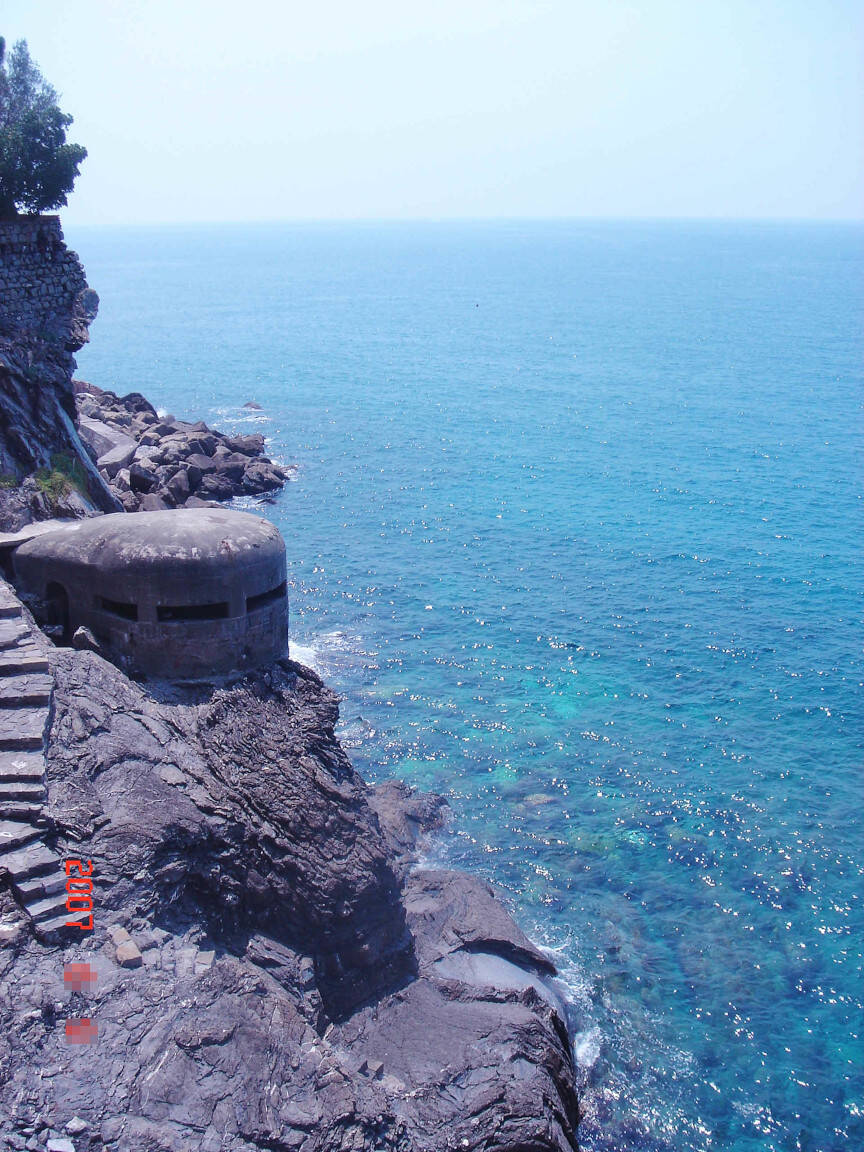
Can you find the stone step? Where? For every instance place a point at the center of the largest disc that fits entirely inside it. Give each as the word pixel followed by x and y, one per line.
pixel 9 602
pixel 26 689
pixel 22 791
pixel 15 834
pixel 22 728
pixel 51 907
pixel 23 766
pixel 13 633
pixel 15 661
pixel 32 860
pixel 51 929
pixel 21 811
pixel 41 886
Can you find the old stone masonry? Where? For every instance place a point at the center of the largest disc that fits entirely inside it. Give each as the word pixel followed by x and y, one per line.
pixel 42 284
pixel 36 872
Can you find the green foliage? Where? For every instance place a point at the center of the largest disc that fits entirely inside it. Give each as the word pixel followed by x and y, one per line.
pixel 65 474
pixel 8 480
pixel 37 167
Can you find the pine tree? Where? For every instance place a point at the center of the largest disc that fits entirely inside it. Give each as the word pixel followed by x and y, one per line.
pixel 37 167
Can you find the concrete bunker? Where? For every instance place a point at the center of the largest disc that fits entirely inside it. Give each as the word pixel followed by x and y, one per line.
pixel 179 594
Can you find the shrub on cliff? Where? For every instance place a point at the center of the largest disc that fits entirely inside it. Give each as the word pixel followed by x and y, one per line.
pixel 37 167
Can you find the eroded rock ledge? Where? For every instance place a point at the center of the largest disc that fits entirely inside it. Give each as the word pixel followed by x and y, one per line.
pixel 291 982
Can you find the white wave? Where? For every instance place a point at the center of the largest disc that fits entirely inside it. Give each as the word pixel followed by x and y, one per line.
pixel 587 1047
pixel 306 654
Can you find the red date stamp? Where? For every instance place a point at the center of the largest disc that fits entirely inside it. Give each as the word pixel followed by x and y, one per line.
pixel 80 977
pixel 79 894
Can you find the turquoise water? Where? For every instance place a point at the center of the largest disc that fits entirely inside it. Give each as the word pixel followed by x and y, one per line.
pixel 574 532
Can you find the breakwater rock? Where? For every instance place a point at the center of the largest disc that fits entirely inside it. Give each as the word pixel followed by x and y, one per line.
pixel 268 967
pixel 152 463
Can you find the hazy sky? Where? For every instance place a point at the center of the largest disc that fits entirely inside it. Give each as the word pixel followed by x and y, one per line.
pixel 276 109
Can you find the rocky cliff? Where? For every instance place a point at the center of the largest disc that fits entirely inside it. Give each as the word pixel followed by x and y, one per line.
pixel 268 967
pixel 45 309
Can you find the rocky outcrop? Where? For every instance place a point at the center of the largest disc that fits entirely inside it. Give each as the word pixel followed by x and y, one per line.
pixel 269 968
pixel 45 309
pixel 152 462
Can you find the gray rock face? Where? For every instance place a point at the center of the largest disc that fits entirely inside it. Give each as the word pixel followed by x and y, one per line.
pixel 268 970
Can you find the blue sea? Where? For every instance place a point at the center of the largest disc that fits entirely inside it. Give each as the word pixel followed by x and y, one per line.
pixel 574 530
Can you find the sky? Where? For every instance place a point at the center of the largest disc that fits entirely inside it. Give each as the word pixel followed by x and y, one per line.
pixel 205 110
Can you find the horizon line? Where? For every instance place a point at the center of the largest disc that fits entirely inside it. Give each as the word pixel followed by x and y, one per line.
pixel 396 220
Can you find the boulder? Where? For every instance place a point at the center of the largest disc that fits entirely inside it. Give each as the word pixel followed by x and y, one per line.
pixel 135 402
pixel 129 955
pixel 146 453
pixel 178 486
pixel 113 448
pixel 262 476
pixel 174 451
pixel 162 446
pixel 141 479
pixel 217 487
pixel 252 445
pixel 203 443
pixel 153 502
pixel 203 463
pixel 232 465
pixel 83 640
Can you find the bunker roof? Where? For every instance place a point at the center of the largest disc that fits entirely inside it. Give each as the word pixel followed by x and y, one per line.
pixel 122 541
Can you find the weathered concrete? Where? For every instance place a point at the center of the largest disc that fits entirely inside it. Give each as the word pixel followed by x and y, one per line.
pixel 179 594
pixel 9 541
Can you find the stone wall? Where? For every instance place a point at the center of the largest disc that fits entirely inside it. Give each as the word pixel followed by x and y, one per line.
pixel 43 289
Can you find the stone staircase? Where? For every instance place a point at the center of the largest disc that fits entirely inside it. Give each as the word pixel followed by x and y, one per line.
pixel 36 872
